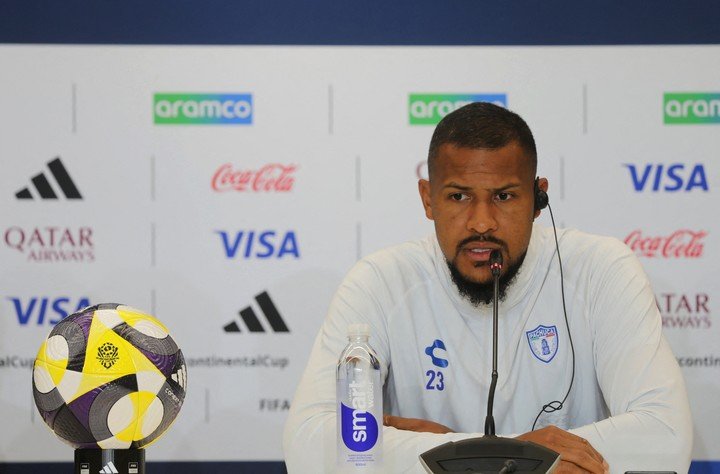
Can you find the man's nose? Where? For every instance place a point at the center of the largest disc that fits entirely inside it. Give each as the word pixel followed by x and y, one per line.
pixel 482 218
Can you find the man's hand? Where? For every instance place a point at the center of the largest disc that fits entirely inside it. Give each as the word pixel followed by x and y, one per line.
pixel 415 424
pixel 576 453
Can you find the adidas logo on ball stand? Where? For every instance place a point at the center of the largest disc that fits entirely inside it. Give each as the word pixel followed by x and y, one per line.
pixel 109 380
pixel 110 461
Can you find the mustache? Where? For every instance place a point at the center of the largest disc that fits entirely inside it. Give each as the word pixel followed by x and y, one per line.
pixel 480 238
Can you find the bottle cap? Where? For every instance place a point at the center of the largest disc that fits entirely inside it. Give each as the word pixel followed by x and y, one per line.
pixel 359 329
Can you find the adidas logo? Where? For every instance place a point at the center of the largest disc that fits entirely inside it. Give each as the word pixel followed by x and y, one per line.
pixel 180 377
pixel 253 323
pixel 45 190
pixel 109 468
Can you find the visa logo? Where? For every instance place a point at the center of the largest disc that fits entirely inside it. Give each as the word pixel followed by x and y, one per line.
pixel 203 109
pixel 667 177
pixel 247 244
pixel 429 109
pixel 44 310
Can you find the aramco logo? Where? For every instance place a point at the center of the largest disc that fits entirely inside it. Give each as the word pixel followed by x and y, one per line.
pixel 690 108
pixel 203 109
pixel 429 109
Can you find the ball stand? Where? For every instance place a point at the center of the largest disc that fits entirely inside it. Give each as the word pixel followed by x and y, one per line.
pixel 110 461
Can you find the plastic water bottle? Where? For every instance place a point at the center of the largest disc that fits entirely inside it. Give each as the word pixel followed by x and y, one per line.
pixel 359 404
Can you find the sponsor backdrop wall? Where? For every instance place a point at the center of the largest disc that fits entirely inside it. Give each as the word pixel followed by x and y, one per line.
pixel 227 190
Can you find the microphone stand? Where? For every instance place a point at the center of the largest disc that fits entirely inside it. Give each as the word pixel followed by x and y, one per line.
pixel 495 267
pixel 490 453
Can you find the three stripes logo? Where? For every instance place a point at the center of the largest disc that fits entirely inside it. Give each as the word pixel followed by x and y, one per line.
pixel 109 468
pixel 45 189
pixel 253 323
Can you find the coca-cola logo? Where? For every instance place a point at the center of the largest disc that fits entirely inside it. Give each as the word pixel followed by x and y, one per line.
pixel 274 177
pixel 682 243
pixel 52 244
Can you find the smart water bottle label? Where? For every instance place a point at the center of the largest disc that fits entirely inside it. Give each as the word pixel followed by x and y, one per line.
pixel 359 428
pixel 359 407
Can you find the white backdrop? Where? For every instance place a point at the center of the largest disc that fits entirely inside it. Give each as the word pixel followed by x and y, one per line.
pixel 337 120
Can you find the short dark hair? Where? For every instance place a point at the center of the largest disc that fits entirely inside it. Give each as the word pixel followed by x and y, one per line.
pixel 482 125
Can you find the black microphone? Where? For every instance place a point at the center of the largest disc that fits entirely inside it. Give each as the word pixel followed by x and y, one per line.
pixel 496 261
pixel 490 453
pixel 496 264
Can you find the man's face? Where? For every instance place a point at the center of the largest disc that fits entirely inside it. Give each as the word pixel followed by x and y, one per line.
pixel 481 200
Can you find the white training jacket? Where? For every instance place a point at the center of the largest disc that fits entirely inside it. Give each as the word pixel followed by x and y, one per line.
pixel 628 397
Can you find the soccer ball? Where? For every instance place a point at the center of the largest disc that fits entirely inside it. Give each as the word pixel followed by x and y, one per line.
pixel 109 377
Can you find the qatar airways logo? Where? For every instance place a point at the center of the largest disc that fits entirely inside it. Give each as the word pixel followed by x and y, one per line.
pixel 684 243
pixel 273 177
pixel 684 311
pixel 51 244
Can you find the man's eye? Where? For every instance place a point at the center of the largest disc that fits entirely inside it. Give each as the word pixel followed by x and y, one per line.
pixel 503 196
pixel 458 197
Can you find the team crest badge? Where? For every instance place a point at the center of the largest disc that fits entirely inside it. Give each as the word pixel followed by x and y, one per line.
pixel 543 342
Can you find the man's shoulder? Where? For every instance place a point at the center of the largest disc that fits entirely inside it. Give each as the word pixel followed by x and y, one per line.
pixel 412 255
pixel 574 241
pixel 584 253
pixel 404 264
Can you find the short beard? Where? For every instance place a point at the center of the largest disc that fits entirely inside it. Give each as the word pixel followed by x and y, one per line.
pixel 482 293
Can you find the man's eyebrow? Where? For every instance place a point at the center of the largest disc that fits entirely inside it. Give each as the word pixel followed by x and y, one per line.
pixel 454 185
pixel 460 187
pixel 506 187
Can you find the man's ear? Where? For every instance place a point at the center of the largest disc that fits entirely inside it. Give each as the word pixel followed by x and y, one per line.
pixel 424 188
pixel 542 184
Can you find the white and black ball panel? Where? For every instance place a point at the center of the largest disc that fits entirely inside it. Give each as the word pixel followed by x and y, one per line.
pixel 107 397
pixel 146 342
pixel 169 396
pixel 109 317
pixel 47 402
pixel 42 381
pixel 150 381
pixel 67 426
pixel 122 414
pixel 72 331
pixel 57 349
pixel 152 418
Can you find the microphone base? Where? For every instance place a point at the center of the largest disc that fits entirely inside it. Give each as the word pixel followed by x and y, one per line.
pixel 489 455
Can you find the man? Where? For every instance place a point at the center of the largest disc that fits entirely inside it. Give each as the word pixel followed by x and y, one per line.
pixel 427 305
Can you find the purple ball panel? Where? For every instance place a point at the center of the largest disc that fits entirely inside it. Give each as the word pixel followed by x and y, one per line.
pixel 164 363
pixel 81 405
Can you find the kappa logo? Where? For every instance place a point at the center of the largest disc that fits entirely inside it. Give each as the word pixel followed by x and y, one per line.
pixel 543 342
pixel 109 468
pixel 45 189
pixel 430 350
pixel 253 323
